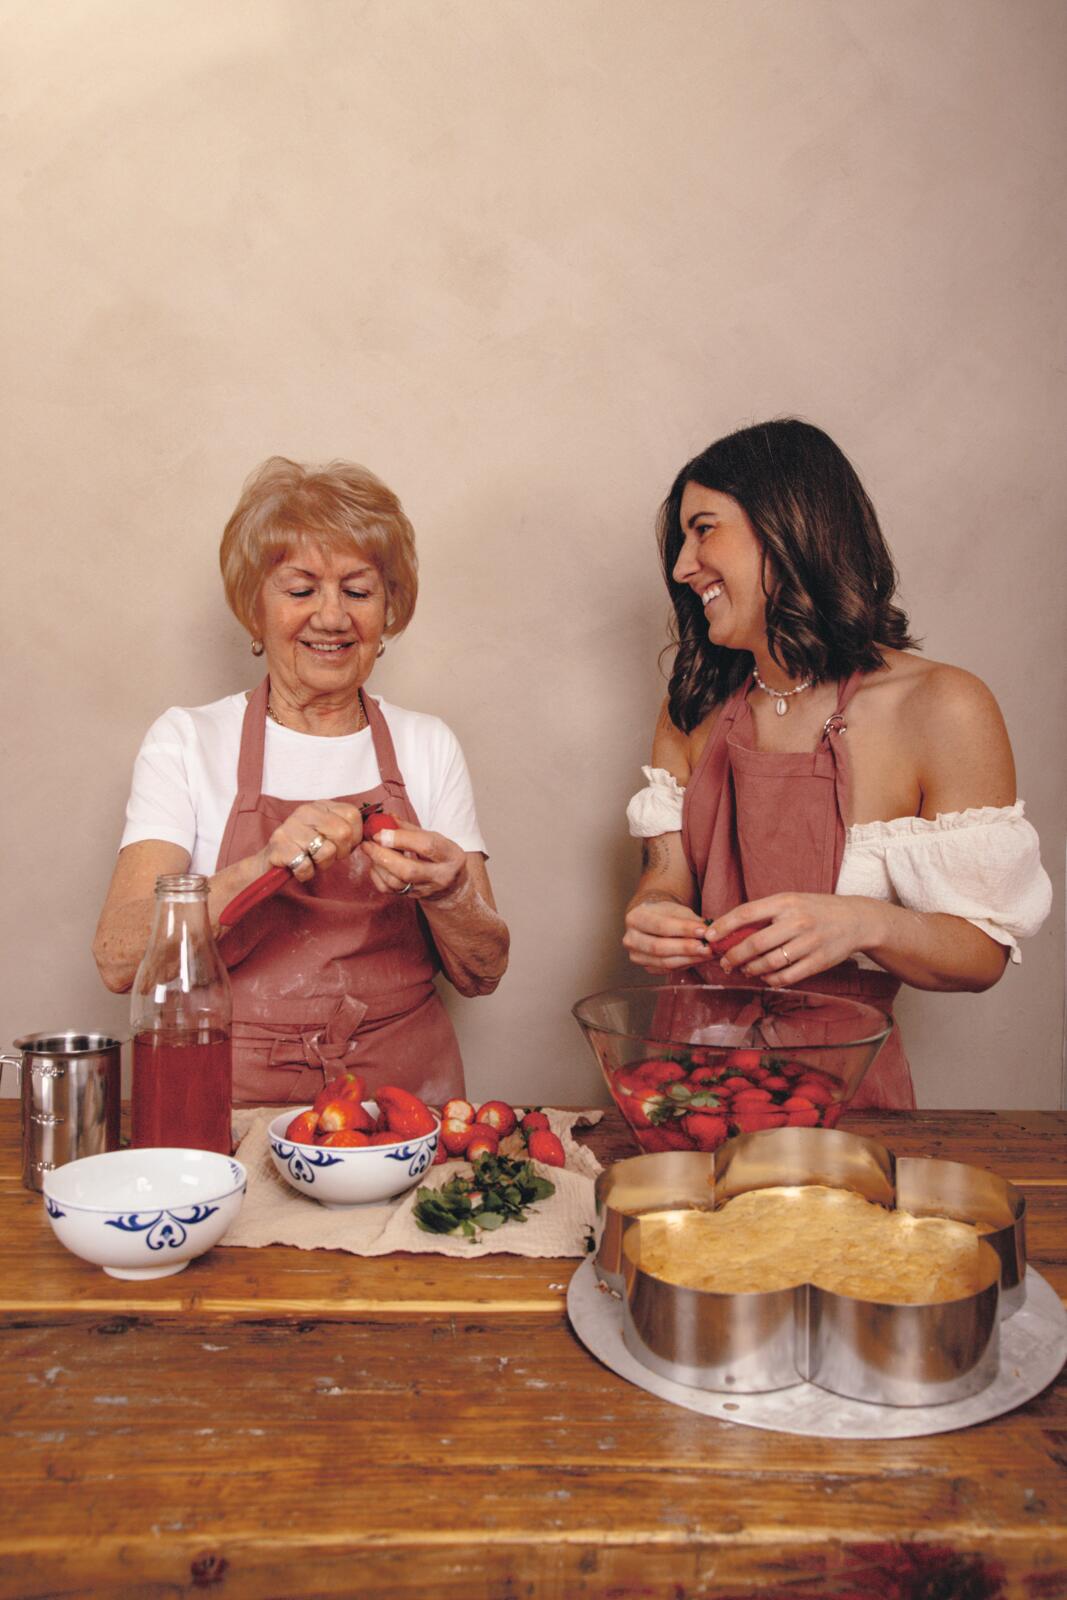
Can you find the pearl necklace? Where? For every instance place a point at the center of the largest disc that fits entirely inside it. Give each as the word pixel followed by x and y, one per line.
pixel 780 696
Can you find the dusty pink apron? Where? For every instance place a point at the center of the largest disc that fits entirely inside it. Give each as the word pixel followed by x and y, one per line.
pixel 759 822
pixel 330 974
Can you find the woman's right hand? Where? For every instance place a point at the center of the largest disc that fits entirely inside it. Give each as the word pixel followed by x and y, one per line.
pixel 338 824
pixel 663 935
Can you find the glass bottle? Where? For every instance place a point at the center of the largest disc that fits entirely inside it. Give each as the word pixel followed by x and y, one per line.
pixel 180 1015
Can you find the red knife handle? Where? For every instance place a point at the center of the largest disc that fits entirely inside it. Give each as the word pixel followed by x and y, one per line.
pixel 259 889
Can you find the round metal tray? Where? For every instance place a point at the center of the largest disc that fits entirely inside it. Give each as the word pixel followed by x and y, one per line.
pixel 1033 1348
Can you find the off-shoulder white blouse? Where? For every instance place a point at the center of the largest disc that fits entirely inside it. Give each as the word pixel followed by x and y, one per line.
pixel 983 864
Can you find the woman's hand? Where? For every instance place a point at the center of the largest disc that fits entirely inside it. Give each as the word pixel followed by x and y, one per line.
pixel 804 934
pixel 663 935
pixel 332 827
pixel 417 862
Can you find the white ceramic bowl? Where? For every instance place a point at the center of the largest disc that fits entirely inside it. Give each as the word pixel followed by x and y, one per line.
pixel 338 1177
pixel 144 1213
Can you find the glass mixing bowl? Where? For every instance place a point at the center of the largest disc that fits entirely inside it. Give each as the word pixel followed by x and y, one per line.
pixel 689 1065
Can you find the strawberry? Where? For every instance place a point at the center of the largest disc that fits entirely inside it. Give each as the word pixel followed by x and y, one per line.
pixel 440 1155
pixel 405 1114
pixel 496 1114
pixel 703 1077
pixel 831 1115
pixel 374 824
pixel 546 1148
pixel 756 1121
pixel 674 1138
pixel 735 1083
pixel 345 1086
pixel 456 1136
pixel 752 1100
pixel 658 1073
pixel 798 1102
pixel 458 1111
pixel 728 940
pixel 383 1136
pixel 347 1138
pixel 644 1110
pixel 532 1121
pixel 706 1130
pixel 337 1116
pixel 774 1080
pixel 743 1060
pixel 804 1119
pixel 484 1142
pixel 303 1128
pixel 815 1093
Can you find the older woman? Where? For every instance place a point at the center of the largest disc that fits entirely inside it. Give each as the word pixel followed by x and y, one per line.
pixel 813 779
pixel 337 969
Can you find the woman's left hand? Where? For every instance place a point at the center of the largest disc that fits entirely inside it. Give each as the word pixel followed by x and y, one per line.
pixel 415 862
pixel 803 934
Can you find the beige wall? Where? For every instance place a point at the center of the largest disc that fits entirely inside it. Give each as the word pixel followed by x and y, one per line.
pixel 522 257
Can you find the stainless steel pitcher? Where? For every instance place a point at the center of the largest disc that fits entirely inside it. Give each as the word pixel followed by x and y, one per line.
pixel 71 1098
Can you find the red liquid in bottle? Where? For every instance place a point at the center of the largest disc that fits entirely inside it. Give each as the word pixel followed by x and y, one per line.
pixel 182 1090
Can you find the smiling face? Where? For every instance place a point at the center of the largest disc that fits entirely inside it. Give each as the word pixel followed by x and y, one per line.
pixel 721 560
pixel 321 616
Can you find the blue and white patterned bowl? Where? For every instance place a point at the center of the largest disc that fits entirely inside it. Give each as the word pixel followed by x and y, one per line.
pixel 337 1177
pixel 144 1213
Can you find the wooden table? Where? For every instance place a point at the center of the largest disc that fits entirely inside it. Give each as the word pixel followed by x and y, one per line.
pixel 292 1423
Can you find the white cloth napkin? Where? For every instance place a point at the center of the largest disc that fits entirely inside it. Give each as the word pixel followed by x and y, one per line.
pixel 274 1213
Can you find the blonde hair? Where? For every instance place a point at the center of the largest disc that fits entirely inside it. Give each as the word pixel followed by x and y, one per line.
pixel 340 507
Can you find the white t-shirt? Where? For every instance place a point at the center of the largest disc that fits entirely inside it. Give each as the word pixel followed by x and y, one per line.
pixel 185 775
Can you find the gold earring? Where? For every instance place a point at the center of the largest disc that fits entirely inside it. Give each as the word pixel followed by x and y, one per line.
pixel 381 647
pixel 257 647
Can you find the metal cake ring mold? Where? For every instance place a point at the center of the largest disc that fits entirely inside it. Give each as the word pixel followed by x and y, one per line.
pixel 887 1354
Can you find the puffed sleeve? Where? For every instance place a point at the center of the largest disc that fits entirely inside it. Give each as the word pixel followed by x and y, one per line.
pixel 983 864
pixel 657 808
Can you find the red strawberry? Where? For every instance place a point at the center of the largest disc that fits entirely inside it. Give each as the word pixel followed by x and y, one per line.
pixel 798 1102
pixel 534 1120
pixel 345 1086
pixel 831 1116
pixel 458 1111
pixel 735 1083
pixel 456 1136
pixel 497 1114
pixel 405 1114
pixel 708 1131
pixel 728 940
pixel 658 1073
pixel 743 1059
pixel 546 1148
pixel 347 1138
pixel 338 1116
pixel 373 825
pixel 673 1138
pixel 383 1136
pixel 643 1110
pixel 303 1128
pixel 440 1155
pixel 815 1093
pixel 756 1121
pixel 774 1080
pixel 804 1119
pixel 704 1076
pixel 484 1142
pixel 752 1100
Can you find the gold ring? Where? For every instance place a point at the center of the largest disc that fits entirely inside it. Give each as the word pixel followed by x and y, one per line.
pixel 787 962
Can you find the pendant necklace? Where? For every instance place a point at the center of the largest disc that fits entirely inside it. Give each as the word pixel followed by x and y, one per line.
pixel 781 697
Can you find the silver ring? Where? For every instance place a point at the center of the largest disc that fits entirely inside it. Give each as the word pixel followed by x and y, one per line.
pixel 314 845
pixel 406 889
pixel 787 962
pixel 298 861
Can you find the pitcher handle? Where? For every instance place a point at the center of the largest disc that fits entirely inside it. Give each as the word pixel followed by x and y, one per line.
pixel 11 1061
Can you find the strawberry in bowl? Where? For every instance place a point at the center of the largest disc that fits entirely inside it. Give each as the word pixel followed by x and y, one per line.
pixel 690 1065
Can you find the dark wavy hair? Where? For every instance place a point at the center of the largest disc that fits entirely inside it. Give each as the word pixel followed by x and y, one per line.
pixel 828 575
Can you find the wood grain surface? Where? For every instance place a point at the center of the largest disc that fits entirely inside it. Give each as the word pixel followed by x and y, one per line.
pixel 279 1423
